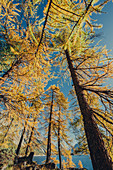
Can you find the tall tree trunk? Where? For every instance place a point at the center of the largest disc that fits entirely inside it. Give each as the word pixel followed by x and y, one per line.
pixel 29 139
pixel 99 156
pixel 20 142
pixel 59 151
pixel 8 129
pixel 49 133
pixel 21 139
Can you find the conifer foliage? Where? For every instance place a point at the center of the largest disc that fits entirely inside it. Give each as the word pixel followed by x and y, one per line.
pixel 57 119
pixel 32 47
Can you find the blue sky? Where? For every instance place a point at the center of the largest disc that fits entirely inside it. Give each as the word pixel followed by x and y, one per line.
pixel 107 34
pixel 107 21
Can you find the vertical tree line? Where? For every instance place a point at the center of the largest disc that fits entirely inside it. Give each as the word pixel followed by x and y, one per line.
pixel 34 51
pixel 49 131
pixel 98 152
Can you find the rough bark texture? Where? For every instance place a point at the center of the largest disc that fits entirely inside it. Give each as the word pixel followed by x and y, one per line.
pixel 98 152
pixel 59 151
pixel 49 134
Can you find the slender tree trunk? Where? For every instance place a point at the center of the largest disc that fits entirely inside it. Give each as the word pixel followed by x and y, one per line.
pixel 8 129
pixel 99 156
pixel 49 133
pixel 29 139
pixel 20 142
pixel 21 139
pixel 59 151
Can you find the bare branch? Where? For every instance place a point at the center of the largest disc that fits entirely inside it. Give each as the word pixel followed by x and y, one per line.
pixel 103 125
pixel 96 67
pixel 43 27
pixel 104 118
pixel 87 8
pixel 65 9
pixel 15 63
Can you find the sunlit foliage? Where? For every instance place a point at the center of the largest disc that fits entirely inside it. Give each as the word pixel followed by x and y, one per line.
pixel 32 46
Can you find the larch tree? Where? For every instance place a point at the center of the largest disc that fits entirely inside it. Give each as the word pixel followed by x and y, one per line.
pixel 48 158
pixel 24 74
pixel 66 41
pixel 78 128
pixel 77 124
pixel 59 142
pixel 47 119
pixel 89 66
pixel 63 117
pixel 30 137
pixel 57 115
pixel 93 134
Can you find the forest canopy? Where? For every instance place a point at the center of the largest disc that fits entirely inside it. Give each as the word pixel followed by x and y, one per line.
pixel 58 46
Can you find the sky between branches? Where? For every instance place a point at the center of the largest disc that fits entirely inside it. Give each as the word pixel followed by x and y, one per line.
pixel 106 36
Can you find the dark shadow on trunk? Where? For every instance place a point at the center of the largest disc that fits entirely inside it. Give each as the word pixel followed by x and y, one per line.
pixel 98 152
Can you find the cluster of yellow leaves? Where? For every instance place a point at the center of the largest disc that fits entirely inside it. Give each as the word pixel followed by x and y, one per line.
pixel 28 78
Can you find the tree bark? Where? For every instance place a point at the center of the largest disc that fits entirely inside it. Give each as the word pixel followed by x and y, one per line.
pixel 20 142
pixel 21 139
pixel 59 151
pixel 26 152
pixel 99 155
pixel 49 133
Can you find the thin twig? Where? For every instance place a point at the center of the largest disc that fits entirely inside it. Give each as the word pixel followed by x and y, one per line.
pixel 65 9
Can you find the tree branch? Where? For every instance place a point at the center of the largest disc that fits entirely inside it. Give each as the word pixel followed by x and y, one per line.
pixel 65 9
pixel 103 125
pixel 43 27
pixel 110 122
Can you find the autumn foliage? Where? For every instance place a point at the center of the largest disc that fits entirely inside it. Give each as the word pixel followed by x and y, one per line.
pixel 40 50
